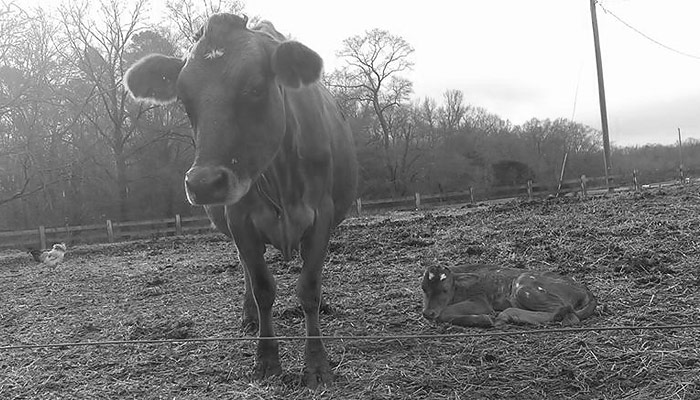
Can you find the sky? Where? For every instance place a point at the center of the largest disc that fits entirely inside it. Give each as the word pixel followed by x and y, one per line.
pixel 531 59
pixel 523 59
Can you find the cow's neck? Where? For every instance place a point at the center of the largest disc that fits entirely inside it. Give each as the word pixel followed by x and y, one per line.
pixel 281 185
pixel 285 191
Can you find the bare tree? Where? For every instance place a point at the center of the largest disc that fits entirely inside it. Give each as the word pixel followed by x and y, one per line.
pixel 481 119
pixel 96 49
pixel 15 27
pixel 31 155
pixel 453 111
pixel 187 16
pixel 373 62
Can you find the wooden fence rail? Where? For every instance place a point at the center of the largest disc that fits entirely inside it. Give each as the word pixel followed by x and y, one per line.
pixel 112 231
pixel 104 233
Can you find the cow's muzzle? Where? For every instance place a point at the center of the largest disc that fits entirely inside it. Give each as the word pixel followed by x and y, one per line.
pixel 214 185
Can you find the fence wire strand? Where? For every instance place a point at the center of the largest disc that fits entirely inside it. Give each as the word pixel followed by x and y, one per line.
pixel 351 337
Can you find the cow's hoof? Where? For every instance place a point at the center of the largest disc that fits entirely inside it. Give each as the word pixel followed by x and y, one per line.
pixel 564 314
pixel 315 377
pixel 267 369
pixel 249 325
pixel 500 322
pixel 326 308
pixel 570 320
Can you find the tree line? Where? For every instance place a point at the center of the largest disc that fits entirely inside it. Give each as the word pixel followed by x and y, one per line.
pixel 75 149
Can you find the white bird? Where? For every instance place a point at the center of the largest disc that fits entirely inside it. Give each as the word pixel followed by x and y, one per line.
pixel 50 257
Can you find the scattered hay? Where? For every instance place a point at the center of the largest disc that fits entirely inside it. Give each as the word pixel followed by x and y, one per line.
pixel 640 254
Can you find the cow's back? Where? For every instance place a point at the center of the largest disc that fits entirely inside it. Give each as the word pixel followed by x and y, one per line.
pixel 484 283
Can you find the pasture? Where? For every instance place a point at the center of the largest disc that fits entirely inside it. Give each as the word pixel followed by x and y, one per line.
pixel 640 255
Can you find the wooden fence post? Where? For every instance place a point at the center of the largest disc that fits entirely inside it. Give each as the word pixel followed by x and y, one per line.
pixel 417 200
pixel 42 236
pixel 584 187
pixel 358 203
pixel 110 231
pixel 636 182
pixel 561 177
pixel 178 225
pixel 529 190
pixel 471 194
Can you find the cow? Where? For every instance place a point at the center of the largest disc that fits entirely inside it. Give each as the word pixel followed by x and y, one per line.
pixel 480 295
pixel 274 161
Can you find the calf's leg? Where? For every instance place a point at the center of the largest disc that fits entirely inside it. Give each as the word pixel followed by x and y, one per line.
pixel 468 313
pixel 523 317
pixel 513 315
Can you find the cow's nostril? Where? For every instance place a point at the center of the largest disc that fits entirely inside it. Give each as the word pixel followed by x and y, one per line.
pixel 205 178
pixel 218 179
pixel 207 185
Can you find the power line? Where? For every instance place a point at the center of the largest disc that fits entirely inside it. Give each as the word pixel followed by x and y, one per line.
pixel 353 337
pixel 578 83
pixel 647 36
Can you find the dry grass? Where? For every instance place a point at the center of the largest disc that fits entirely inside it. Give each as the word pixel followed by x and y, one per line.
pixel 639 254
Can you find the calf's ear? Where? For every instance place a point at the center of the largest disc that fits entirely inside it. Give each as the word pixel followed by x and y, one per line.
pixel 153 78
pixel 295 64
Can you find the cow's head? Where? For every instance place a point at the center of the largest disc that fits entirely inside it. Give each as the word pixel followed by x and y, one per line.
pixel 231 85
pixel 438 290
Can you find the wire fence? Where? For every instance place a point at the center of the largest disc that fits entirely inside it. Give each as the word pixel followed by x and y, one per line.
pixel 355 337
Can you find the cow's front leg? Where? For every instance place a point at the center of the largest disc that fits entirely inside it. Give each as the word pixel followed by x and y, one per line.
pixel 251 251
pixel 313 253
pixel 249 316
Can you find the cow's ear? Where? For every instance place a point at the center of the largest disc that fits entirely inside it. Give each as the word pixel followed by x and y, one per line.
pixel 295 64
pixel 153 78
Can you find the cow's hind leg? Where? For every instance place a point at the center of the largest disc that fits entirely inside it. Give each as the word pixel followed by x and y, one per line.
pixel 313 253
pixel 536 302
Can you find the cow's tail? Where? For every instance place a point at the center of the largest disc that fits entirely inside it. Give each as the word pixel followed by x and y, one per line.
pixel 588 307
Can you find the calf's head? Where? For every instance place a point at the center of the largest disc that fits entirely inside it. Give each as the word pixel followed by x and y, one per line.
pixel 232 85
pixel 438 290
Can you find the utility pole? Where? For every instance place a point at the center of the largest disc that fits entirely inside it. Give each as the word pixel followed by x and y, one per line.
pixel 680 154
pixel 601 97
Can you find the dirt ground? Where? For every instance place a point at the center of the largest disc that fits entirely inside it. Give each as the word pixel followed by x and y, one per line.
pixel 640 254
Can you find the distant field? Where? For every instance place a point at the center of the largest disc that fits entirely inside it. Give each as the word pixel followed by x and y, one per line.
pixel 640 254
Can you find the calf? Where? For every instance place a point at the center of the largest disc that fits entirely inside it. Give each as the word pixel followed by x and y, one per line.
pixel 471 295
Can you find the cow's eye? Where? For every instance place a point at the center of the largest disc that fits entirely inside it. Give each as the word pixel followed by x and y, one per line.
pixel 254 90
pixel 254 93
